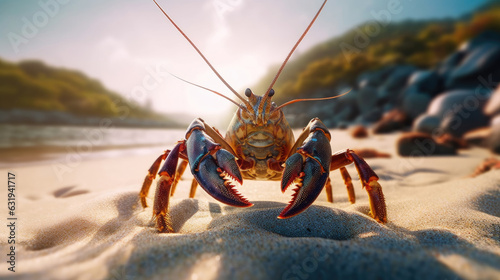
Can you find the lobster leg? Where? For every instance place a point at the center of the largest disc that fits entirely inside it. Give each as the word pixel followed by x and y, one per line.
pixel 328 189
pixel 162 195
pixel 178 174
pixel 192 191
pixel 150 177
pixel 348 185
pixel 307 168
pixel 368 178
pixel 160 208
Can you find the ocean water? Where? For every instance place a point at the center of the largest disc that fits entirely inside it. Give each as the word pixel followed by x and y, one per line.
pixel 20 144
pixel 14 136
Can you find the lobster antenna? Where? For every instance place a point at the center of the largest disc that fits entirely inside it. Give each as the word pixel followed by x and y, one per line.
pixel 213 91
pixel 311 99
pixel 202 56
pixel 266 96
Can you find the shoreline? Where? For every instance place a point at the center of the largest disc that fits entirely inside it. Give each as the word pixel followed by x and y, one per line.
pixel 43 155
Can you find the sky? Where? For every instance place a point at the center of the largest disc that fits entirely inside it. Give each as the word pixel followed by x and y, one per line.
pixel 131 47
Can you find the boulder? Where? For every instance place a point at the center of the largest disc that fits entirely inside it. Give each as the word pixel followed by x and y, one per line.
pixel 346 114
pixel 369 117
pixel 482 61
pixel 416 104
pixel 342 125
pixel 427 124
pixel 494 140
pixel 374 78
pixel 359 131
pixel 426 82
pixel 367 99
pixel 448 65
pixel 345 108
pixel 479 137
pixel 392 87
pixel 468 100
pixel 417 144
pixel 460 110
pixel 485 37
pixel 391 121
pixel 458 122
pixel 492 107
pixel 456 58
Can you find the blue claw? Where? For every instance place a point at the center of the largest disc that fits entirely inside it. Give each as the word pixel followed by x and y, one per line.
pixel 308 170
pixel 215 169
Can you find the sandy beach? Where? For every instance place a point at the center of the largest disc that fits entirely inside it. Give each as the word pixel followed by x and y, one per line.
pixel 87 223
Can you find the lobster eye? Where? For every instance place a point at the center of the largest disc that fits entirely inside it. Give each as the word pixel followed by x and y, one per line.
pixel 248 92
pixel 271 92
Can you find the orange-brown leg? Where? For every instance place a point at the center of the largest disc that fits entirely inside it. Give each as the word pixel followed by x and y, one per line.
pixel 153 170
pixel 348 184
pixel 192 191
pixel 160 208
pixel 162 195
pixel 328 189
pixel 369 180
pixel 178 174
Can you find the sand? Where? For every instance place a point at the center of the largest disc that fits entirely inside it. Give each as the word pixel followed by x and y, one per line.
pixel 88 224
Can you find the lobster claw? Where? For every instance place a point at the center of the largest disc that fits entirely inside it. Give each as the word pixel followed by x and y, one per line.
pixel 308 170
pixel 215 169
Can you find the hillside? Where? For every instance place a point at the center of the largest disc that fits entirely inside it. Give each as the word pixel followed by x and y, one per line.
pixel 32 86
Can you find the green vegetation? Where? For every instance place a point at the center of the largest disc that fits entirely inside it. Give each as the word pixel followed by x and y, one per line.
pixel 32 85
pixel 339 61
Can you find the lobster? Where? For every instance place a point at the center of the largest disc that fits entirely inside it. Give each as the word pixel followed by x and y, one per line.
pixel 259 145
